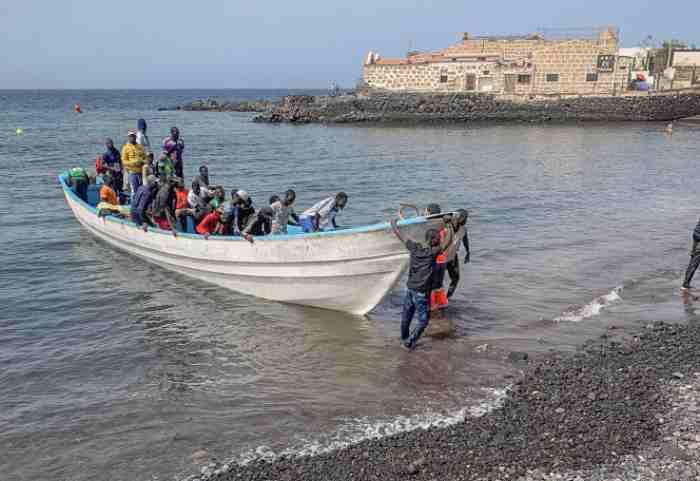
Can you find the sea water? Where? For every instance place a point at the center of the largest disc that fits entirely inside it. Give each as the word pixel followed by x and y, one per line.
pixel 112 368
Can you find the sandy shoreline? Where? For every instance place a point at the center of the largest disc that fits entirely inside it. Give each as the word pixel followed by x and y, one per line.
pixel 618 409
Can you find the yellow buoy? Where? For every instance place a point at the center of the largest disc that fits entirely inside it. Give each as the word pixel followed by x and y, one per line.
pixel 19 131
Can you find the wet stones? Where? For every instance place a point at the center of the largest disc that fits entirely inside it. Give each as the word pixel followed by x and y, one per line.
pixel 213 105
pixel 518 357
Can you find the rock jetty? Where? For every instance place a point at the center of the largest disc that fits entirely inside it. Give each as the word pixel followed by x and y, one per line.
pixel 213 105
pixel 618 409
pixel 383 106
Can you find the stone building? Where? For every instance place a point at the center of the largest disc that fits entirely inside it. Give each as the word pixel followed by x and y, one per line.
pixel 677 68
pixel 530 66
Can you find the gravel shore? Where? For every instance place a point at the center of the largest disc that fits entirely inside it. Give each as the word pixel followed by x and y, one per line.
pixel 616 410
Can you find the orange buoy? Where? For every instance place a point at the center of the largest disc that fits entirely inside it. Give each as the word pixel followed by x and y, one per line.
pixel 78 109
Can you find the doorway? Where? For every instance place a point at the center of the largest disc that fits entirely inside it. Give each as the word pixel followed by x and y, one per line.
pixel 470 82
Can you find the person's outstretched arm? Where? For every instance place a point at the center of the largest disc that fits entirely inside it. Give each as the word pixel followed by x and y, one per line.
pixel 397 232
pixel 465 241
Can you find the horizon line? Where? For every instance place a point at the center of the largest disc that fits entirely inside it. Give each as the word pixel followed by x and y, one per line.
pixel 169 88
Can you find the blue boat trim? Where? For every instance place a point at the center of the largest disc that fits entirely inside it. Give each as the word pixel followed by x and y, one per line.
pixel 156 230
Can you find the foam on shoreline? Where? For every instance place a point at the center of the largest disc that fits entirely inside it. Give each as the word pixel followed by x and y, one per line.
pixel 361 429
pixel 593 308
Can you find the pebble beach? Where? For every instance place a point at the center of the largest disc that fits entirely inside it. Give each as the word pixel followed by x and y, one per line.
pixel 624 407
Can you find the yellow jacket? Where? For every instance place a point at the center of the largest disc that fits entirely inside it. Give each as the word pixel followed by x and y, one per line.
pixel 133 157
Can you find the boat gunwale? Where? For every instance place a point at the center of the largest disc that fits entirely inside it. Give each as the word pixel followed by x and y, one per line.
pixel 303 235
pixel 104 235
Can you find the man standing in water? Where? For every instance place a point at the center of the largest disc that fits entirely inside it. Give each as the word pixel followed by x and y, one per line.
pixel 420 277
pixel 458 225
pixel 694 258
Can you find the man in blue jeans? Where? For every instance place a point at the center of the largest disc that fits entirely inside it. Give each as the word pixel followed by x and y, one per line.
pixel 420 274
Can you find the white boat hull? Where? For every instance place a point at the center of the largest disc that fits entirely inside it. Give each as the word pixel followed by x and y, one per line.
pixel 347 270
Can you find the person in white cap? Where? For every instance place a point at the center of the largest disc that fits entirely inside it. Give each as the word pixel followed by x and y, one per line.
pixel 238 211
pixel 133 159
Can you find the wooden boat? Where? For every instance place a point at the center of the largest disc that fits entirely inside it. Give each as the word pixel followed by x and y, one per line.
pixel 348 270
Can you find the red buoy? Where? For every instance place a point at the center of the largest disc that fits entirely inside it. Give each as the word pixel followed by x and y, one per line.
pixel 77 109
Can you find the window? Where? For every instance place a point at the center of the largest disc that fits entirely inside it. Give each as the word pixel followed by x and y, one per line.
pixel 443 78
pixel 481 59
pixel 591 77
pixel 552 77
pixel 606 63
pixel 523 79
pixel 486 72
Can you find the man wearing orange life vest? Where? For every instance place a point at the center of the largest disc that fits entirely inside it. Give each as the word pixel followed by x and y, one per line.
pixel 455 226
pixel 438 296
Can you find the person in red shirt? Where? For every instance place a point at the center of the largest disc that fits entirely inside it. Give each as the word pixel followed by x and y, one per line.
pixel 211 223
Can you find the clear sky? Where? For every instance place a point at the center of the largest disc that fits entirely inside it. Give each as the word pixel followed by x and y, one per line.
pixel 274 43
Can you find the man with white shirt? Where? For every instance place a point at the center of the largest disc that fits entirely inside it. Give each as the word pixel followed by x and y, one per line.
pixel 197 202
pixel 282 212
pixel 141 137
pixel 322 215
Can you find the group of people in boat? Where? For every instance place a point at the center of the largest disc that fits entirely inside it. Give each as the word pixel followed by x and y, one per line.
pixel 153 194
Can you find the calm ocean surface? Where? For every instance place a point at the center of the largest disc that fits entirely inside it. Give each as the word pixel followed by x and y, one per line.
pixel 114 369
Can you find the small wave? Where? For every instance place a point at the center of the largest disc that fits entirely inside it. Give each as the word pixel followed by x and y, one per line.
pixel 362 429
pixel 593 308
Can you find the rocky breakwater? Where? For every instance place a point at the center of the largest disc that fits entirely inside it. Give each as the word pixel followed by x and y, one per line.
pixel 376 106
pixel 212 105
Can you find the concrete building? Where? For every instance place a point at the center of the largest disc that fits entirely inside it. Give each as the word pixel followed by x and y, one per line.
pixel 676 68
pixel 529 65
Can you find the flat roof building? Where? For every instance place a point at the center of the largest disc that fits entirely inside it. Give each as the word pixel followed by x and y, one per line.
pixel 509 65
